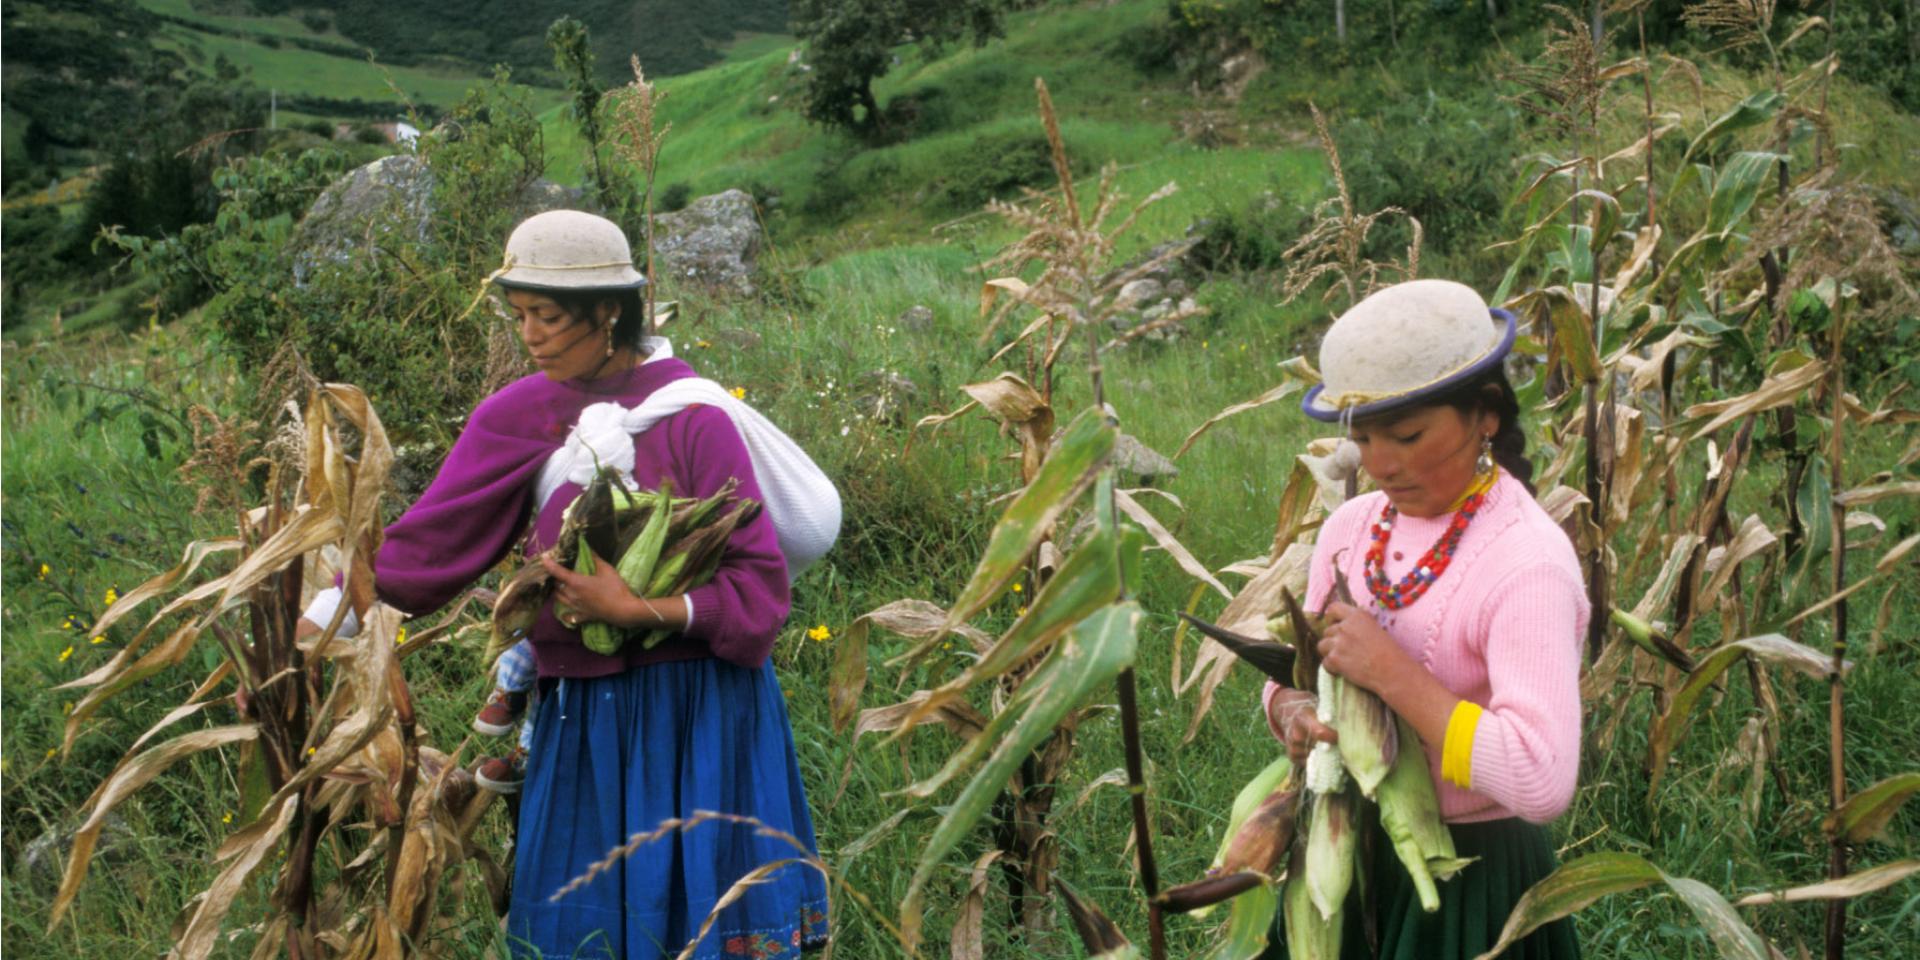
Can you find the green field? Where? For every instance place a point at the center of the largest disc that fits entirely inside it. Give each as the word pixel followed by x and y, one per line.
pixel 96 427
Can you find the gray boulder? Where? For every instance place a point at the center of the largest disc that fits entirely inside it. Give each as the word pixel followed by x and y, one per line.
pixel 1138 293
pixel 390 199
pixel 710 244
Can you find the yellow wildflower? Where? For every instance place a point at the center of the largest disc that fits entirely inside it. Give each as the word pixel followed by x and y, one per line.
pixel 66 654
pixel 702 344
pixel 310 751
pixel 67 707
pixel 739 393
pixel 51 751
pixel 228 818
pixel 1016 587
pixel 44 571
pixel 1023 611
pixel 112 596
pixel 98 640
pixel 947 646
pixel 401 637
pixel 820 633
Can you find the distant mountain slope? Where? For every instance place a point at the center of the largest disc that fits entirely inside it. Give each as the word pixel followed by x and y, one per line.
pixel 670 36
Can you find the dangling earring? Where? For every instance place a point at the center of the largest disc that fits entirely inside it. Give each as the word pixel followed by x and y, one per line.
pixel 1485 463
pixel 609 341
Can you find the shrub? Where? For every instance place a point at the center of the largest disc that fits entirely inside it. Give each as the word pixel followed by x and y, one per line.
pixel 674 197
pixel 996 167
pixel 1445 160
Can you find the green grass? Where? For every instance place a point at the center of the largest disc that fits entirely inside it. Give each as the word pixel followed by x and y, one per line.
pixel 100 508
pixel 281 25
pixel 915 520
pixel 294 71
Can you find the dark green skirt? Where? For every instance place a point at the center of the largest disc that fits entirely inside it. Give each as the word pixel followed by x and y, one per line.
pixel 1513 855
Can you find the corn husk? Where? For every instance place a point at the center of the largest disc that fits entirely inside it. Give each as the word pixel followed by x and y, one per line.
pixel 1331 842
pixel 1410 815
pixel 1310 935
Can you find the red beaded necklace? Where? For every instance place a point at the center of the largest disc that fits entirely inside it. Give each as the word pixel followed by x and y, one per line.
pixel 1396 596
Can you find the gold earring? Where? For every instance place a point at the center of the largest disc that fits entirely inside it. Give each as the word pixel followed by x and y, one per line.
pixel 1485 463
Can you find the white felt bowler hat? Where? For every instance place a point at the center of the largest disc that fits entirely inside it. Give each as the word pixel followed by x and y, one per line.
pixel 1405 344
pixel 568 250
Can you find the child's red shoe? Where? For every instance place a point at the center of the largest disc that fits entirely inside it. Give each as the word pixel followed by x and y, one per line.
pixel 502 709
pixel 502 774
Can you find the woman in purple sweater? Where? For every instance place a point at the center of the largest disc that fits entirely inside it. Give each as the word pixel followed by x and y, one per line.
pixel 624 742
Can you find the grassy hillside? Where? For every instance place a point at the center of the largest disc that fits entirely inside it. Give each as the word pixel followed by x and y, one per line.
pixel 95 430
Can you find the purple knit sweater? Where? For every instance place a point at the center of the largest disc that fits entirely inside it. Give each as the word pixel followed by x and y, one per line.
pixel 479 505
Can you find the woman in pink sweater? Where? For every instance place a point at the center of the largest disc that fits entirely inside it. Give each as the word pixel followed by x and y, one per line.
pixel 1471 610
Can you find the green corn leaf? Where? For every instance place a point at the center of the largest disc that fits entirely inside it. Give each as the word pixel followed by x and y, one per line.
pixel 1090 579
pixel 1090 658
pixel 1814 500
pixel 1578 883
pixel 1751 112
pixel 1737 188
pixel 1248 923
pixel 1069 470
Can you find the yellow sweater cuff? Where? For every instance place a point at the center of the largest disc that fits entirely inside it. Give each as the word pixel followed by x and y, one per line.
pixel 1456 756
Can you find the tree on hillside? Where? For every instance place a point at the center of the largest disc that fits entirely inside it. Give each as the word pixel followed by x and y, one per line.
pixel 573 58
pixel 850 44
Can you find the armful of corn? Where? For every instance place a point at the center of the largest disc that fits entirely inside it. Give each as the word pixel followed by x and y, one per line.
pixel 665 546
pixel 1367 766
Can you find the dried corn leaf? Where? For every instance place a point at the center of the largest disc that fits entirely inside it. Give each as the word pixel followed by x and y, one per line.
pixel 251 845
pixel 1845 888
pixel 1866 814
pixel 1776 391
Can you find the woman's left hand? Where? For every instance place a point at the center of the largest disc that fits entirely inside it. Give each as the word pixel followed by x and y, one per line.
pixel 1356 647
pixel 598 596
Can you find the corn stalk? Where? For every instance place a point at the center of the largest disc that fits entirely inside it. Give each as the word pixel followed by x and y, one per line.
pixel 324 726
pixel 1078 630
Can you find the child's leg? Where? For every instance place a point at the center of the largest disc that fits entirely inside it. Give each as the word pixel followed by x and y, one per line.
pixel 514 675
pixel 514 671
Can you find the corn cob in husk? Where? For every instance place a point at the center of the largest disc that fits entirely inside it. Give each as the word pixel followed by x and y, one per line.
pixel 1310 934
pixel 661 545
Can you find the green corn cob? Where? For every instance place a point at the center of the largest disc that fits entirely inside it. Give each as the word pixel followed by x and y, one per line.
pixel 1330 847
pixel 1310 936
pixel 637 563
pixel 599 637
pixel 1368 737
pixel 1410 815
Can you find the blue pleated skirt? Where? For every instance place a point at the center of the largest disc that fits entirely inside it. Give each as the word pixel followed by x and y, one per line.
pixel 614 756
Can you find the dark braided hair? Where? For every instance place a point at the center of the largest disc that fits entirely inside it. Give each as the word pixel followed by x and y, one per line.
pixel 580 304
pixel 1492 393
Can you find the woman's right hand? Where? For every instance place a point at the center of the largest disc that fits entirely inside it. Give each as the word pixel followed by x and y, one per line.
pixel 1291 717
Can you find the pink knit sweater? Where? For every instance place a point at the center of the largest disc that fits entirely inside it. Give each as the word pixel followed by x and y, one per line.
pixel 1501 627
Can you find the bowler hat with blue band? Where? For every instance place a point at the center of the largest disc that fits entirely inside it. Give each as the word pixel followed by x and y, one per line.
pixel 1405 345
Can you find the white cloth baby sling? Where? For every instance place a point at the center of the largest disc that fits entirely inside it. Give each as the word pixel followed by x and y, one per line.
pixel 799 498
